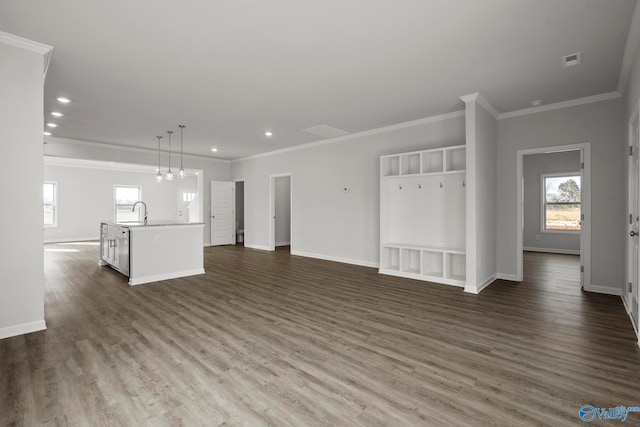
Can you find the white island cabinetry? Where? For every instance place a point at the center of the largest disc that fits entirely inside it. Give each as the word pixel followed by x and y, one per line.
pixel 422 215
pixel 160 250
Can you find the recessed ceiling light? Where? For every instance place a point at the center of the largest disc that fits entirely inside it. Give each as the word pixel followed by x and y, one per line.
pixel 214 149
pixel 57 114
pixel 52 125
pixel 46 133
pixel 268 133
pixel 536 102
pixel 64 100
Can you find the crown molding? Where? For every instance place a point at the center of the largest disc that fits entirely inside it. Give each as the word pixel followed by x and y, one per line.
pixel 630 51
pixel 470 98
pixel 106 165
pixel 23 43
pixel 482 101
pixel 558 105
pixel 30 45
pixel 390 128
pixel 47 61
pixel 54 139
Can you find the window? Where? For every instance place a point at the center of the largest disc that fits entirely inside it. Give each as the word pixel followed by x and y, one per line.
pixel 188 197
pixel 50 202
pixel 125 197
pixel 561 194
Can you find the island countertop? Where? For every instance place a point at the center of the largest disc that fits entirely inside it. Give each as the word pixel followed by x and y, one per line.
pixel 159 250
pixel 153 223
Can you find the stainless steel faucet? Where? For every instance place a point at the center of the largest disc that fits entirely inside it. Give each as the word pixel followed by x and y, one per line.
pixel 145 209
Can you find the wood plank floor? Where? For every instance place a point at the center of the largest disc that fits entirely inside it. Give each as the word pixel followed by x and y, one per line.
pixel 272 339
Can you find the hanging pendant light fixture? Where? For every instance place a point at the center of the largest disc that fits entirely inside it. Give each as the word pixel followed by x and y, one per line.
pixel 181 170
pixel 159 174
pixel 169 175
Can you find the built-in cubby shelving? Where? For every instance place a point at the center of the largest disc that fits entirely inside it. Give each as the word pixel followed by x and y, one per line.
pixel 438 160
pixel 390 166
pixel 432 264
pixel 433 161
pixel 423 215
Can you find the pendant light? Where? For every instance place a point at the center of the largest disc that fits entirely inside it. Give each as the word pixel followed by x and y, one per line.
pixel 159 174
pixel 181 170
pixel 169 175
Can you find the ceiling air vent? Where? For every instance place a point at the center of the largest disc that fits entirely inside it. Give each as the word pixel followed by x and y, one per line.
pixel 326 131
pixel 571 60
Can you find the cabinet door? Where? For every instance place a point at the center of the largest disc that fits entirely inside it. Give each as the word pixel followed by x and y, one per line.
pixel 104 248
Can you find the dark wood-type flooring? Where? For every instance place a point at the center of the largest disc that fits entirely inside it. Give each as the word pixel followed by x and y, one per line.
pixel 273 339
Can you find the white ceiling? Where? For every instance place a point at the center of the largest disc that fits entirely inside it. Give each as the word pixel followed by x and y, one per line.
pixel 229 70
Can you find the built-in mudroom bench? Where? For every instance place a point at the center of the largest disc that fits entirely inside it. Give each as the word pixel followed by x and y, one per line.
pixel 423 215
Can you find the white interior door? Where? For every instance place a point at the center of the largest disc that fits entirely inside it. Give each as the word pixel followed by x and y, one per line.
pixel 280 218
pixel 223 218
pixel 633 226
pixel 582 220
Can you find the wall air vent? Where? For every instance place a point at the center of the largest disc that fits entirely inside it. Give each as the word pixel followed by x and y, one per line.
pixel 571 60
pixel 326 131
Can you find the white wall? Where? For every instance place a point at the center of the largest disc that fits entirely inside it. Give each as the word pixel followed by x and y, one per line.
pixel 534 166
pixel 481 136
pixel 282 190
pixel 600 124
pixel 86 197
pixel 213 169
pixel 21 260
pixel 632 91
pixel 327 222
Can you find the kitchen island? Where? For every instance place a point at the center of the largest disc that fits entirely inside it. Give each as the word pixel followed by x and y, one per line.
pixel 152 251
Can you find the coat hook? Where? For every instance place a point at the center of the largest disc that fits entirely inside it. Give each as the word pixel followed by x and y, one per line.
pixel 419 185
pixel 399 187
pixel 464 184
pixel 441 185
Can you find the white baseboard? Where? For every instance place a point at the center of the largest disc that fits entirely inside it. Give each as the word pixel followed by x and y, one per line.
pixel 262 248
pixel 505 276
pixel 167 276
pixel 24 328
pixel 605 290
pixel 422 277
pixel 472 289
pixel 283 243
pixel 626 305
pixel 552 251
pixel 336 259
pixel 72 239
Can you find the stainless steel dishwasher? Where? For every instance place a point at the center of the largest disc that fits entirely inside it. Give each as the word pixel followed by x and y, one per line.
pixel 114 247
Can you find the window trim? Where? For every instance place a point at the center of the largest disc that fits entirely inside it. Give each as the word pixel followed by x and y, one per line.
pixel 543 201
pixel 54 204
pixel 115 204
